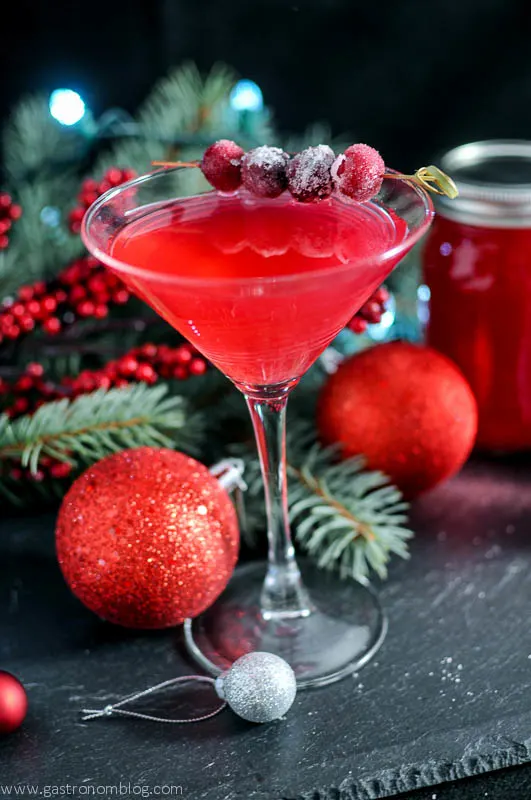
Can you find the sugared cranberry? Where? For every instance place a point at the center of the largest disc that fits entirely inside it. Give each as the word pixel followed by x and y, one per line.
pixel 264 171
pixel 358 172
pixel 309 176
pixel 221 165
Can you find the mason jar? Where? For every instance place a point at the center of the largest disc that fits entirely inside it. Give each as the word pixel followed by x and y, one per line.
pixel 477 265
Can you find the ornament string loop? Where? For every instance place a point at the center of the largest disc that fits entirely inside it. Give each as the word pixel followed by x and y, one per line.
pixel 117 709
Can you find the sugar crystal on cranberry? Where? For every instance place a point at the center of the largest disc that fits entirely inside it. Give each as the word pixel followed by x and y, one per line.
pixel 358 172
pixel 221 165
pixel 309 176
pixel 264 171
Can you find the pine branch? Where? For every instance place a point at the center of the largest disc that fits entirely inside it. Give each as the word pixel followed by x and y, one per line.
pixel 185 102
pixel 344 517
pixel 33 142
pixel 90 427
pixel 38 250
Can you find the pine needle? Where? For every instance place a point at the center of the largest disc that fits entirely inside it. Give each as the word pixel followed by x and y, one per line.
pixel 90 427
pixel 344 517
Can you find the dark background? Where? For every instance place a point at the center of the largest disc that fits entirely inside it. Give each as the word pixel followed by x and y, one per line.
pixel 410 77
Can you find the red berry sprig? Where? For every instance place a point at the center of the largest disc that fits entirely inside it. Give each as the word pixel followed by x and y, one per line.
pixel 92 189
pixel 145 364
pixel 9 213
pixel 371 312
pixel 85 289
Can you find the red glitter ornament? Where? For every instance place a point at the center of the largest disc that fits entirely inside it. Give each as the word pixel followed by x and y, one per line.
pixel 13 703
pixel 147 537
pixel 407 409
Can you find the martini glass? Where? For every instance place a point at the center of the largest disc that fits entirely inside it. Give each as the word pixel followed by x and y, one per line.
pixel 261 287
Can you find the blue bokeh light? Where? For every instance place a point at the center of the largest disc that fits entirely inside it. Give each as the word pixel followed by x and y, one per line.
pixel 246 96
pixel 66 106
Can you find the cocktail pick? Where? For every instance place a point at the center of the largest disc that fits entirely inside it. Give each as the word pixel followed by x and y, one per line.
pixel 259 687
pixel 430 178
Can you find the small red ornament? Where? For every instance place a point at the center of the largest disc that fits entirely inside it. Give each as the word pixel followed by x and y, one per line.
pixel 147 537
pixel 406 408
pixel 13 703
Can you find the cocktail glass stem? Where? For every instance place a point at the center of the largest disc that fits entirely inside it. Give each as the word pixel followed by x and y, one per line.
pixel 283 595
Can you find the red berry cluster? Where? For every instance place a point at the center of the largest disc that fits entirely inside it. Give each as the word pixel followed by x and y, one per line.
pixel 371 312
pixel 9 213
pixel 309 176
pixel 25 395
pixel 84 289
pixel 92 189
pixel 147 363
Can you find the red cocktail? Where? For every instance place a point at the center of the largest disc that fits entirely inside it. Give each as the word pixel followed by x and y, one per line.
pixel 261 286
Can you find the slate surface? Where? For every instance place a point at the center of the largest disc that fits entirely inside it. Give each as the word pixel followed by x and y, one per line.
pixel 447 697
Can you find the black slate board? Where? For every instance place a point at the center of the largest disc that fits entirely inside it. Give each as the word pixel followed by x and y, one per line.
pixel 447 697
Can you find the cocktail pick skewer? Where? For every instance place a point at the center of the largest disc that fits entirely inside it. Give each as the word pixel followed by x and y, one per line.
pixel 430 178
pixel 175 164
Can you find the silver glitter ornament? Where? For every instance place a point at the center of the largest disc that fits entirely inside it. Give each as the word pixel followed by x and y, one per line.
pixel 259 687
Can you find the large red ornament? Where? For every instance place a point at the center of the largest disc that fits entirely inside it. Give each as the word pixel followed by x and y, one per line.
pixel 407 409
pixel 147 537
pixel 13 703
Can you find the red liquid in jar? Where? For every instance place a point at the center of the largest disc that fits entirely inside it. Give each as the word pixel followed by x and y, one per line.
pixel 259 286
pixel 480 316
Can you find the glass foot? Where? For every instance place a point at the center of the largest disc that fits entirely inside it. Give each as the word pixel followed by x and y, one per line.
pixel 344 630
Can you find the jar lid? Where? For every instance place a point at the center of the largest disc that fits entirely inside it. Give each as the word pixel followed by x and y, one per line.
pixel 494 182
